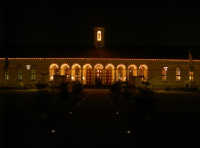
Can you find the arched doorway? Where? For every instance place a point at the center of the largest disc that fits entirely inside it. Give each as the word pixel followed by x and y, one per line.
pixel 132 72
pixel 98 70
pixel 121 72
pixel 65 71
pixel 87 74
pixel 143 72
pixel 76 72
pixel 109 74
pixel 53 70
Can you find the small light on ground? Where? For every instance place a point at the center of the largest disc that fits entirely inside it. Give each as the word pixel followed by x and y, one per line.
pixel 70 113
pixel 53 131
pixel 128 132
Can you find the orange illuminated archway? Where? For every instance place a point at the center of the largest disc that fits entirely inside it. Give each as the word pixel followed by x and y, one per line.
pixel 53 70
pixel 87 74
pixel 109 74
pixel 143 72
pixel 98 70
pixel 76 72
pixel 65 71
pixel 121 72
pixel 132 71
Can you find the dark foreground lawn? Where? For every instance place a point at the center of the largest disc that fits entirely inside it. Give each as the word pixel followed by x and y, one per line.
pixel 43 119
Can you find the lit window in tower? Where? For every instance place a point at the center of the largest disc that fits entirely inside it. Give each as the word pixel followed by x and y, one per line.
pixel 99 38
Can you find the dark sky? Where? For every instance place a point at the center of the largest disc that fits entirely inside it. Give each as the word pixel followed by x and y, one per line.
pixel 45 28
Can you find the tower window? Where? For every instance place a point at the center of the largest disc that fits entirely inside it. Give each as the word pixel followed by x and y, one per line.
pixel 99 38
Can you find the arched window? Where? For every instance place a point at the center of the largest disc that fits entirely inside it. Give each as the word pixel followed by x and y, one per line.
pixel 65 71
pixel 87 74
pixel 164 73
pixel 109 74
pixel 53 70
pixel 178 74
pixel 98 68
pixel 143 72
pixel 132 71
pixel 76 72
pixel 121 72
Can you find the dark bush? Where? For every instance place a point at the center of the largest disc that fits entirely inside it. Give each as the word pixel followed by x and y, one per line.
pixel 41 85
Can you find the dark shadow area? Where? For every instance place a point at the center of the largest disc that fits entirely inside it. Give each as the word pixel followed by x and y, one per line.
pixel 124 115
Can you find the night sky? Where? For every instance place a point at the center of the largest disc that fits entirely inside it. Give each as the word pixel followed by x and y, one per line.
pixel 49 29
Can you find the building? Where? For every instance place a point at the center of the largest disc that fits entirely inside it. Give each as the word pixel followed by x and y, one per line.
pixel 160 73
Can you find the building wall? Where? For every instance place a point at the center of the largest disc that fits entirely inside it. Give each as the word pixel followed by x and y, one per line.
pixel 41 66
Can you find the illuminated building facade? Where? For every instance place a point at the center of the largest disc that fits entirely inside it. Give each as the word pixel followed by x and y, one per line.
pixel 160 73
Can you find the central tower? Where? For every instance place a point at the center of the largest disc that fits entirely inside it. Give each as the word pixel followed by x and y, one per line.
pixel 99 37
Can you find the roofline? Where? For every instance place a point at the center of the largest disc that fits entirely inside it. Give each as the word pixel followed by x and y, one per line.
pixel 111 59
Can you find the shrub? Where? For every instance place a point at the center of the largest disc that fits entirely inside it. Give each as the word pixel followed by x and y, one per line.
pixel 41 85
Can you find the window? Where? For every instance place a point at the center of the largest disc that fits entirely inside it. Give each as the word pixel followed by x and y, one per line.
pixel 191 75
pixel 164 73
pixel 33 75
pixel 28 67
pixel 178 74
pixel 99 38
pixel 6 76
pixel 19 76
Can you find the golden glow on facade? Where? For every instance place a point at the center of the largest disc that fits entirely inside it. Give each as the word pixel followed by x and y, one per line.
pixel 143 72
pixel 87 74
pixel 121 72
pixel 191 76
pixel 63 69
pixel 132 71
pixel 178 74
pixel 76 72
pixel 53 70
pixel 164 73
pixel 109 74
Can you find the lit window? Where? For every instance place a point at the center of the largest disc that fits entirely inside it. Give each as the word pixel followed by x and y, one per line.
pixel 6 76
pixel 19 76
pixel 164 73
pixel 178 74
pixel 99 38
pixel 191 76
pixel 33 75
pixel 28 67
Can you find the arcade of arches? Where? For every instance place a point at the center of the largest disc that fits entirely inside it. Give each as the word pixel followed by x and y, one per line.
pixel 88 74
pixel 159 73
